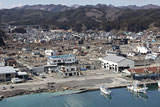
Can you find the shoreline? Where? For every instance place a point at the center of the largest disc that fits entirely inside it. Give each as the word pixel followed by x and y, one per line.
pixel 25 92
pixel 91 81
pixel 77 90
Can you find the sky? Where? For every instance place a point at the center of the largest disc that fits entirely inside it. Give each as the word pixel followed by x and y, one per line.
pixel 17 3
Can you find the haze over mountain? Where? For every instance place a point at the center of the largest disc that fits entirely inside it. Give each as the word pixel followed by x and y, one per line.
pixel 51 7
pixel 82 18
pixel 134 7
pixel 60 8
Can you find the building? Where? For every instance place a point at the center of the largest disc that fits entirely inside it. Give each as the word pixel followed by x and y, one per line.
pixel 86 66
pixel 50 68
pixel 66 65
pixel 121 41
pixel 37 70
pixel 10 62
pixel 2 64
pixel 22 75
pixel 50 53
pixel 62 60
pixel 142 50
pixel 67 71
pixel 44 69
pixel 151 56
pixel 145 73
pixel 6 73
pixel 116 63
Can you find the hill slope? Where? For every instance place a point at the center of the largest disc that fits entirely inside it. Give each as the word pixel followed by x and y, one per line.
pixel 89 17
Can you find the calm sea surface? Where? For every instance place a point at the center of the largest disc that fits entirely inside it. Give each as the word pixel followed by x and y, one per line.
pixel 119 98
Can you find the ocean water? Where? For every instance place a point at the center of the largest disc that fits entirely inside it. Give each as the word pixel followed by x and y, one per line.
pixel 120 97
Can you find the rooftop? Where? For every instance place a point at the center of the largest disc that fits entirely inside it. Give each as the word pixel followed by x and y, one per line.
pixel 7 70
pixel 62 56
pixel 22 73
pixel 114 58
pixel 146 70
pixel 1 63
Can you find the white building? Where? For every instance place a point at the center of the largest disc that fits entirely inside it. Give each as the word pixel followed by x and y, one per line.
pixel 142 50
pixel 67 71
pixel 2 64
pixel 6 73
pixel 116 63
pixel 131 54
pixel 151 56
pixel 57 30
pixel 50 53
pixel 111 53
pixel 61 60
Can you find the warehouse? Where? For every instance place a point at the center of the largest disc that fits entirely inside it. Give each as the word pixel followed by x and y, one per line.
pixel 116 63
pixel 6 73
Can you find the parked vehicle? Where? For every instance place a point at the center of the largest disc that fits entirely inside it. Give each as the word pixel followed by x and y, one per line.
pixel 16 80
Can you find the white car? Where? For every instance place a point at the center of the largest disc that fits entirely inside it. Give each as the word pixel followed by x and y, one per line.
pixel 16 80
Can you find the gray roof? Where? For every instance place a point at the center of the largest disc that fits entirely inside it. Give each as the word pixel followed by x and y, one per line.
pixel 38 69
pixel 1 63
pixel 7 70
pixel 114 58
pixel 22 73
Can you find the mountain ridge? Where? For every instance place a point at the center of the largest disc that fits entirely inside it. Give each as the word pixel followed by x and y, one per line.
pixel 61 8
pixel 88 17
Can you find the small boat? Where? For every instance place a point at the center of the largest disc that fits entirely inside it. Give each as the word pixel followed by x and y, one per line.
pixel 158 84
pixel 130 87
pixel 1 97
pixel 136 88
pixel 105 90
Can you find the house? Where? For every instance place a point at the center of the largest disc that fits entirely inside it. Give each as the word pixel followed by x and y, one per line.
pixel 142 50
pixel 2 64
pixel 35 53
pixel 90 65
pixel 62 60
pixel 50 53
pixel 121 41
pixel 10 62
pixel 116 63
pixel 37 70
pixel 67 71
pixel 144 62
pixel 22 75
pixel 86 66
pixel 151 56
pixel 6 73
pixel 131 54
pixel 111 53
pixel 50 68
